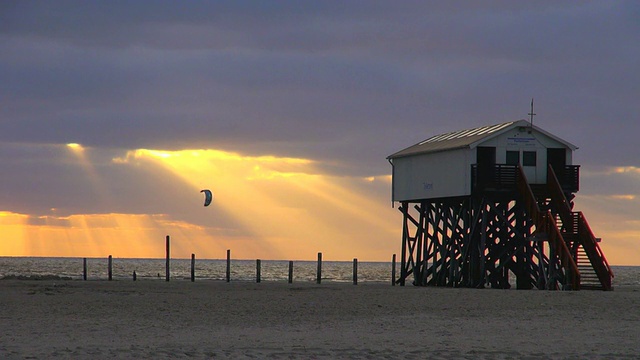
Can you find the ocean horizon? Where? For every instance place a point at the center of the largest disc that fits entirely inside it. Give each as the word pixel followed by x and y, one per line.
pixel 205 269
pixel 215 269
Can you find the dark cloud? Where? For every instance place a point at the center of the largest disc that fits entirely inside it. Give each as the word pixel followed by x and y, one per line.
pixel 343 83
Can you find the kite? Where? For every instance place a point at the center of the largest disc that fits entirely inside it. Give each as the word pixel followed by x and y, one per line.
pixel 208 196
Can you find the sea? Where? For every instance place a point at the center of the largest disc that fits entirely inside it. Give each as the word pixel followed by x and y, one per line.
pixel 204 269
pixel 215 269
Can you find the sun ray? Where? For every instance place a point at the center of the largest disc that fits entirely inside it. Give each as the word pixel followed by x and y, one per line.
pixel 13 232
pixel 98 186
pixel 280 201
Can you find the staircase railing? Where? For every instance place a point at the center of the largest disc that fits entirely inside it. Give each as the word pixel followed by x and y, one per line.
pixel 557 242
pixel 595 254
pixel 545 222
pixel 558 199
pixel 585 235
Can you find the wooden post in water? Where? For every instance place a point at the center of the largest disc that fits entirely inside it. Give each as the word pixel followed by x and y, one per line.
pixel 167 270
pixel 193 267
pixel 290 272
pixel 135 276
pixel 319 272
pixel 258 270
pixel 393 270
pixel 84 269
pixel 228 265
pixel 355 271
pixel 110 268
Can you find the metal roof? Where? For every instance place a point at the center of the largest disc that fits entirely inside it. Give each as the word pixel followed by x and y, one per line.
pixel 466 138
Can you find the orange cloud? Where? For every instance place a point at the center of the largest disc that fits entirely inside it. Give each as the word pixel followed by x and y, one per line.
pixel 285 203
pixel 280 207
pixel 271 208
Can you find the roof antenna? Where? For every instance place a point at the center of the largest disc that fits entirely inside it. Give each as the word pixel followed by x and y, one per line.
pixel 531 114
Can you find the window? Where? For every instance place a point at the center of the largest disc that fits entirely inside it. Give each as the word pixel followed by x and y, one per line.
pixel 513 157
pixel 529 158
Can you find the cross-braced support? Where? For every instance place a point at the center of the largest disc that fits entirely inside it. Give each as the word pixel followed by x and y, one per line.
pixel 476 242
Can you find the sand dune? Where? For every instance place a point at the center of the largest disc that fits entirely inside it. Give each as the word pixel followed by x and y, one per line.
pixel 210 319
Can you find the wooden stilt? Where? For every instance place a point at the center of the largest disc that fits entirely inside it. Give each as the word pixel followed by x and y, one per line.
pixel 110 268
pixel 290 272
pixel 319 271
pixel 193 267
pixel 393 270
pixel 84 269
pixel 355 271
pixel 167 259
pixel 258 270
pixel 228 277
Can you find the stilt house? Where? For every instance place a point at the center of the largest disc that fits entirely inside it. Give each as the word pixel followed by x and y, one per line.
pixel 487 205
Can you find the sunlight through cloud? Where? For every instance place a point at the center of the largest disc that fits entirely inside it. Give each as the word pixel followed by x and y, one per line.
pixel 264 207
pixel 282 201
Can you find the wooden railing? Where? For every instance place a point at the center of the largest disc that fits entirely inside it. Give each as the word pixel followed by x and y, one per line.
pixel 496 177
pixel 510 177
pixel 558 199
pixel 569 178
pixel 504 177
pixel 557 242
pixel 595 254
pixel 545 222
pixel 575 222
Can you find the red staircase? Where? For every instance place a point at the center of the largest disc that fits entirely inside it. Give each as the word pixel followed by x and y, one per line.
pixel 592 264
pixel 547 229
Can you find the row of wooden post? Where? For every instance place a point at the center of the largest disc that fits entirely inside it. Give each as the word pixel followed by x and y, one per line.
pixel 228 272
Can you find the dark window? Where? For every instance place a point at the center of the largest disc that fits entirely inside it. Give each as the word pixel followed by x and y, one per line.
pixel 513 157
pixel 557 158
pixel 486 155
pixel 529 158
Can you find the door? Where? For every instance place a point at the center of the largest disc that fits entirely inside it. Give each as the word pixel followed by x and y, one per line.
pixel 486 161
pixel 530 166
pixel 485 156
pixel 557 158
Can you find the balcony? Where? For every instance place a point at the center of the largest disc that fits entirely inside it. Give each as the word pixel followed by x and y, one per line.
pixel 502 177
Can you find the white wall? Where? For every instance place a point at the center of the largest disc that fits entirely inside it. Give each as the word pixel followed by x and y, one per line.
pixel 448 173
pixel 526 139
pixel 434 175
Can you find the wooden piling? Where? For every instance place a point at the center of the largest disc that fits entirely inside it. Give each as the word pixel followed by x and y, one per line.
pixel 319 271
pixel 193 267
pixel 290 272
pixel 258 270
pixel 393 270
pixel 135 276
pixel 110 268
pixel 228 265
pixel 167 266
pixel 355 271
pixel 84 269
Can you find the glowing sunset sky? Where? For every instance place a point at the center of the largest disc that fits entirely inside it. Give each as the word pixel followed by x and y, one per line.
pixel 114 115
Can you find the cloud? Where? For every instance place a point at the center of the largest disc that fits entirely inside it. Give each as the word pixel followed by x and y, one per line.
pixel 627 169
pixel 624 197
pixel 288 78
pixel 266 205
pixel 338 84
pixel 610 181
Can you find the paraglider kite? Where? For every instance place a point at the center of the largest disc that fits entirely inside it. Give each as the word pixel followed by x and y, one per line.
pixel 208 196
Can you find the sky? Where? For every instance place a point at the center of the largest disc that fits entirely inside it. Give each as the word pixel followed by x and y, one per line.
pixel 115 114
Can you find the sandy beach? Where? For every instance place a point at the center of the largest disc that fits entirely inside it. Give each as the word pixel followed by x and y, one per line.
pixel 212 319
